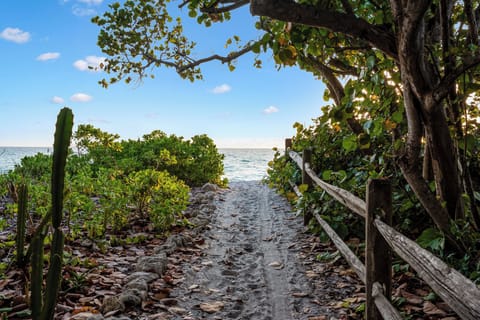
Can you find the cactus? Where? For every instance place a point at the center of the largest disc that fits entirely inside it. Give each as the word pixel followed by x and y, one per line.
pixel 21 224
pixel 44 309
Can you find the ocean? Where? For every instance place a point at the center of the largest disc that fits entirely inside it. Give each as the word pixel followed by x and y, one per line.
pixel 240 164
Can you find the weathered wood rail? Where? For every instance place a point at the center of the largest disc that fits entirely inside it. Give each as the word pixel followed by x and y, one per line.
pixel 462 295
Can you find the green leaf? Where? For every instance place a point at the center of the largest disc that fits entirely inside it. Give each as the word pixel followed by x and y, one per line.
pixel 397 116
pixel 431 239
pixel 349 143
pixel 371 62
pixel 327 175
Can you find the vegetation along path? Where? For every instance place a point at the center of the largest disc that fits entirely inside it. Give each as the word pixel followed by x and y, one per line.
pixel 258 264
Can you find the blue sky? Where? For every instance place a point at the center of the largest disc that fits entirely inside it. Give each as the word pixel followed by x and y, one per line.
pixel 46 45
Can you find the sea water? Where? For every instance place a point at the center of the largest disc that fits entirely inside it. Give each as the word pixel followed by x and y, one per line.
pixel 10 156
pixel 239 164
pixel 246 164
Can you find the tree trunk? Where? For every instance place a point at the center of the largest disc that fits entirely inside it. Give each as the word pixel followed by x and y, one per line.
pixel 444 163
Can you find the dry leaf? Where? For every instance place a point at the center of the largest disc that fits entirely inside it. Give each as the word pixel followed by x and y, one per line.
pixel 276 265
pixel 212 307
pixel 411 298
pixel 300 294
pixel 431 309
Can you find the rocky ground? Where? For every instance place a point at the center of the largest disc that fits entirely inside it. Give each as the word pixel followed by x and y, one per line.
pixel 248 257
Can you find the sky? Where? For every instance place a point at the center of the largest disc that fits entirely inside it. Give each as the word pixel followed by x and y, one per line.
pixel 47 46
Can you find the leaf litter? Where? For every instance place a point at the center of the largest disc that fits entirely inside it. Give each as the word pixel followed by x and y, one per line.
pixel 96 270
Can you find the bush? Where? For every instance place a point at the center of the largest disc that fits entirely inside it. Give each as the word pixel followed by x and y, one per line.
pixel 158 195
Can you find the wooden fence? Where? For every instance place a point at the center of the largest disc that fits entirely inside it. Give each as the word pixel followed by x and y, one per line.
pixel 462 295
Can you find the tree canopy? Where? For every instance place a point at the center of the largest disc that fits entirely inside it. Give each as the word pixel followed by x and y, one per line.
pixel 404 68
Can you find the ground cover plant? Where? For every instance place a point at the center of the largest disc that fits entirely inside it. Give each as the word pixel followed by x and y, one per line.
pixel 402 80
pixel 107 192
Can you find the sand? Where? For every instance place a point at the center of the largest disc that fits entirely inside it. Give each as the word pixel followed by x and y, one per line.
pixel 251 269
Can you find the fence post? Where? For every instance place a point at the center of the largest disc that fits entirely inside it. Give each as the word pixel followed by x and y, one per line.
pixel 288 146
pixel 378 255
pixel 307 158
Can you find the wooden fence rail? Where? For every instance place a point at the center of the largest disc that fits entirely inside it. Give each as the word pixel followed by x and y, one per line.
pixel 462 295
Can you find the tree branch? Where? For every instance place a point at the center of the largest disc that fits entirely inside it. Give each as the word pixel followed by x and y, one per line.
pixel 195 63
pixel 472 21
pixel 411 47
pixel 442 89
pixel 235 5
pixel 347 7
pixel 289 10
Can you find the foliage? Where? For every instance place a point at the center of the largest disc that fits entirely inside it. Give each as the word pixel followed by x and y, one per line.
pixel 195 161
pixel 335 163
pixel 402 81
pixel 111 183
pixel 160 195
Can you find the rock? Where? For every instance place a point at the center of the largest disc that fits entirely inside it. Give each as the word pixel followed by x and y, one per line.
pixel 87 316
pixel 172 243
pixel 210 187
pixel 156 263
pixel 133 297
pixel 87 243
pixel 147 276
pixel 207 208
pixel 112 303
pixel 138 284
pixel 118 318
pixel 212 307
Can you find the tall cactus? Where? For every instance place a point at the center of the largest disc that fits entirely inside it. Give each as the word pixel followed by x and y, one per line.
pixel 21 224
pixel 44 309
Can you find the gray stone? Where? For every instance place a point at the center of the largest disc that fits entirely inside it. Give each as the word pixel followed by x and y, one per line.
pixel 156 263
pixel 132 297
pixel 138 284
pixel 173 243
pixel 112 303
pixel 147 276
pixel 210 187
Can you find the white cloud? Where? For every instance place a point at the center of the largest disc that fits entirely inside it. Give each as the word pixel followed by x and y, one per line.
pixel 57 100
pixel 90 63
pixel 81 97
pixel 48 56
pixel 82 12
pixel 271 109
pixel 152 115
pixel 15 35
pixel 221 89
pixel 91 2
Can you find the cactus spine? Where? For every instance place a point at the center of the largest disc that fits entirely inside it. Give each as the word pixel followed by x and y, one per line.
pixel 44 309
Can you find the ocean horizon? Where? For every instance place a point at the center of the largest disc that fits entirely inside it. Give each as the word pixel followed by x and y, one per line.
pixel 240 164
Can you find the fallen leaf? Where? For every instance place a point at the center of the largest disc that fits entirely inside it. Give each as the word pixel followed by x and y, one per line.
pixel 212 307
pixel 276 265
pixel 299 294
pixel 411 298
pixel 431 309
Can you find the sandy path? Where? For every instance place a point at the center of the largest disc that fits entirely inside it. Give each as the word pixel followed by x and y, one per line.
pixel 251 268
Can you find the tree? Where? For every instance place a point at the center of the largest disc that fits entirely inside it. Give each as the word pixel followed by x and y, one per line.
pixel 411 63
pixel 87 137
